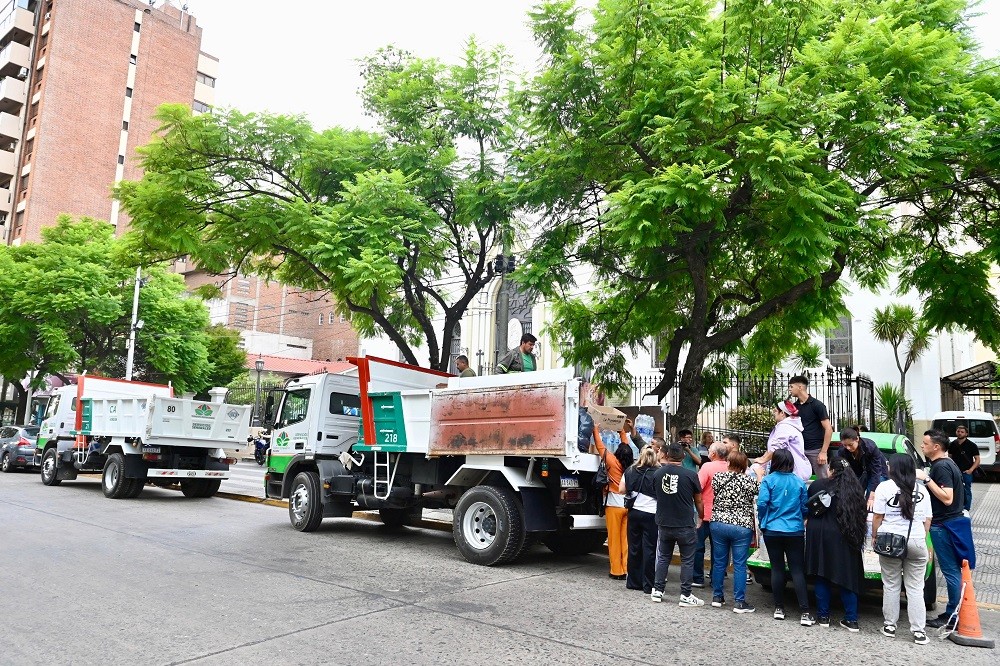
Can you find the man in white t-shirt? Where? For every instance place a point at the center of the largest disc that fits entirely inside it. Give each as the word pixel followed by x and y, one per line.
pixel 889 519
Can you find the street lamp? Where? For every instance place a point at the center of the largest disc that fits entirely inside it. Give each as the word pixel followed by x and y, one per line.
pixel 259 365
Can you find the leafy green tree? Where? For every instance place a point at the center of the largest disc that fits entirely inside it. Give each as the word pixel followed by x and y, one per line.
pixel 227 357
pixel 400 226
pixel 892 409
pixel 901 327
pixel 67 308
pixel 722 166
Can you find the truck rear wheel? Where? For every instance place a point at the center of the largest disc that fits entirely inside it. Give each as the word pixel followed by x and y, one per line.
pixel 200 487
pixel 50 470
pixel 113 480
pixel 305 509
pixel 575 542
pixel 488 527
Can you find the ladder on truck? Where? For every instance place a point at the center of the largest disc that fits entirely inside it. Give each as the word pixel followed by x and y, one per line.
pixel 385 474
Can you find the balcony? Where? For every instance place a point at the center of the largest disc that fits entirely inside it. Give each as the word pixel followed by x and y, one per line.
pixel 7 165
pixel 16 24
pixel 12 95
pixel 10 127
pixel 6 201
pixel 13 58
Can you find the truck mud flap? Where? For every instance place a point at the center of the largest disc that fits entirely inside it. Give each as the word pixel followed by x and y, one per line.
pixel 539 510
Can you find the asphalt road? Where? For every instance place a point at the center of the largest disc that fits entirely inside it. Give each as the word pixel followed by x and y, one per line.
pixel 167 580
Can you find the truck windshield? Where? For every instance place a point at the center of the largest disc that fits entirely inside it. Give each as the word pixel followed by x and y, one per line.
pixel 293 408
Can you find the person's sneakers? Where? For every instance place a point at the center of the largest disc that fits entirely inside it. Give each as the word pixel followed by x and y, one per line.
pixel 743 607
pixel 779 613
pixel 889 630
pixel 938 622
pixel 807 620
pixel 718 602
pixel 698 583
pixel 824 620
pixel 690 601
pixel 656 595
pixel 850 626
pixel 920 638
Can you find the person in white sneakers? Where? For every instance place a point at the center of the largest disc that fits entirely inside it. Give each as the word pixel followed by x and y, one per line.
pixel 679 513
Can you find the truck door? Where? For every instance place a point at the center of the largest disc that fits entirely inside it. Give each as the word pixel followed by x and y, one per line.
pixel 341 415
pixel 291 430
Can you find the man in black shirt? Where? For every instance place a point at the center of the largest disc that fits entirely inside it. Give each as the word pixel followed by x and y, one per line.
pixel 816 428
pixel 945 486
pixel 679 512
pixel 965 453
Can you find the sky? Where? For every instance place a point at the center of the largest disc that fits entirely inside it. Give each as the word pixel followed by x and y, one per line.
pixel 300 56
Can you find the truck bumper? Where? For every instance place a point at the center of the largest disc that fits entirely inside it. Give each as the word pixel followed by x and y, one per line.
pixel 188 474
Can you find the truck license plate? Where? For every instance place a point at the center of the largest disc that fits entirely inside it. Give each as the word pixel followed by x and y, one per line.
pixel 569 482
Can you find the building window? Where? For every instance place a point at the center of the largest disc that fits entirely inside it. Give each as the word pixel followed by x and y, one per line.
pixel 330 319
pixel 839 345
pixel 133 59
pixel 243 287
pixel 206 79
pixel 241 315
pixel 137 27
pixel 24 181
pixel 658 351
pixel 128 92
pixel 200 107
pixel 343 319
pixel 121 159
pixel 125 125
pixel 321 318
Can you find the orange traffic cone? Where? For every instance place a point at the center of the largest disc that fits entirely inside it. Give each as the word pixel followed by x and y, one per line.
pixel 969 631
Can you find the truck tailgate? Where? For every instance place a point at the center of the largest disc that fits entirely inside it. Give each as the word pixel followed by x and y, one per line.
pixel 502 420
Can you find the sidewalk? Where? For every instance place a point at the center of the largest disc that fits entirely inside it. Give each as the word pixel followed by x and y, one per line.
pixel 986 533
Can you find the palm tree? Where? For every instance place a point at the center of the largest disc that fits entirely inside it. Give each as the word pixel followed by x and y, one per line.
pixel 902 328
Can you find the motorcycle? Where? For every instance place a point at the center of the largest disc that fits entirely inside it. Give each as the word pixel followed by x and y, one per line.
pixel 260 448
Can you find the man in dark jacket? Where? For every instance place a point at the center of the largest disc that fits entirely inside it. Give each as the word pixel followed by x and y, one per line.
pixel 519 359
pixel 867 461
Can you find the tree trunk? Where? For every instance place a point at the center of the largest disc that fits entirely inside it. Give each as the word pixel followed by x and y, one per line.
pixel 690 387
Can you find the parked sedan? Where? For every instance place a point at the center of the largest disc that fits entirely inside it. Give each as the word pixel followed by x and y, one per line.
pixel 17 447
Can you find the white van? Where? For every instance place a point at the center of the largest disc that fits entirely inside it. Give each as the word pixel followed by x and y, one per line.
pixel 982 430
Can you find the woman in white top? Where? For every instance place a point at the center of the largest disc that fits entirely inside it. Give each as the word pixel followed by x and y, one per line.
pixel 902 506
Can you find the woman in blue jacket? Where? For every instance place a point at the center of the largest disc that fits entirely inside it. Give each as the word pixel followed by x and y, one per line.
pixel 781 508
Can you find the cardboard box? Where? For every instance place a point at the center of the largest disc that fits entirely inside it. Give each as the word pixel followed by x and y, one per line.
pixel 607 418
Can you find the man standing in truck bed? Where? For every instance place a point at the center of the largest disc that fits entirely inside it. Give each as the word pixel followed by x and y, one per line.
pixel 519 359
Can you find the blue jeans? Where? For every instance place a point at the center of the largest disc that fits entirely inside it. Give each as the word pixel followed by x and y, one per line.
pixel 668 537
pixel 728 538
pixel 949 565
pixel 823 594
pixel 967 482
pixel 704 532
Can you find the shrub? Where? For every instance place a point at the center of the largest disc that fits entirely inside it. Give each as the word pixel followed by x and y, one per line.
pixel 753 423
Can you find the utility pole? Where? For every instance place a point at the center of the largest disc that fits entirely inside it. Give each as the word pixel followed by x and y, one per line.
pixel 134 325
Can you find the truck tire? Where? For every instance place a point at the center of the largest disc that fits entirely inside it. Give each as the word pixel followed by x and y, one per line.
pixel 113 480
pixel 930 589
pixel 136 490
pixel 305 509
pixel 200 487
pixel 575 542
pixel 50 468
pixel 488 526
pixel 6 465
pixel 394 519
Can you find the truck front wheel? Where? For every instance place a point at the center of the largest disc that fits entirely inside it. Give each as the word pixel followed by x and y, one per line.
pixel 50 469
pixel 487 526
pixel 113 480
pixel 305 509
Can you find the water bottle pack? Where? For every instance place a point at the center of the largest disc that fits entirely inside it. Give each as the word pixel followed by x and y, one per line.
pixel 644 426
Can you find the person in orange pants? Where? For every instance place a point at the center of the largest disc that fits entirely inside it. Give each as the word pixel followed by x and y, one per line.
pixel 615 513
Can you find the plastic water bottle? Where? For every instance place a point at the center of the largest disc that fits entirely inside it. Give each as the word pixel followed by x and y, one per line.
pixel 644 426
pixel 611 439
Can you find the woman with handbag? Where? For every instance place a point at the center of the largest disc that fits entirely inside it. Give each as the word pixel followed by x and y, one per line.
pixel 640 499
pixel 835 537
pixel 781 508
pixel 615 513
pixel 899 530
pixel 732 529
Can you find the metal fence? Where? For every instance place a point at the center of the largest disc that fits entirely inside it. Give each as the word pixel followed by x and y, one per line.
pixel 245 393
pixel 849 398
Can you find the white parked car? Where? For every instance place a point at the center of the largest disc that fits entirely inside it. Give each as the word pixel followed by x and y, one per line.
pixel 983 431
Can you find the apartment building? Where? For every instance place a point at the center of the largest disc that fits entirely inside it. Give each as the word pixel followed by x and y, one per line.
pixel 80 81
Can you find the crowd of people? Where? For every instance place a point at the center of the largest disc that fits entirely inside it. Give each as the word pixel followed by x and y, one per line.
pixel 669 496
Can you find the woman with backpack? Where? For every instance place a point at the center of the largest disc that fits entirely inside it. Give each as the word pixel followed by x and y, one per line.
pixel 615 513
pixel 835 537
pixel 781 508
pixel 903 508
pixel 637 486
